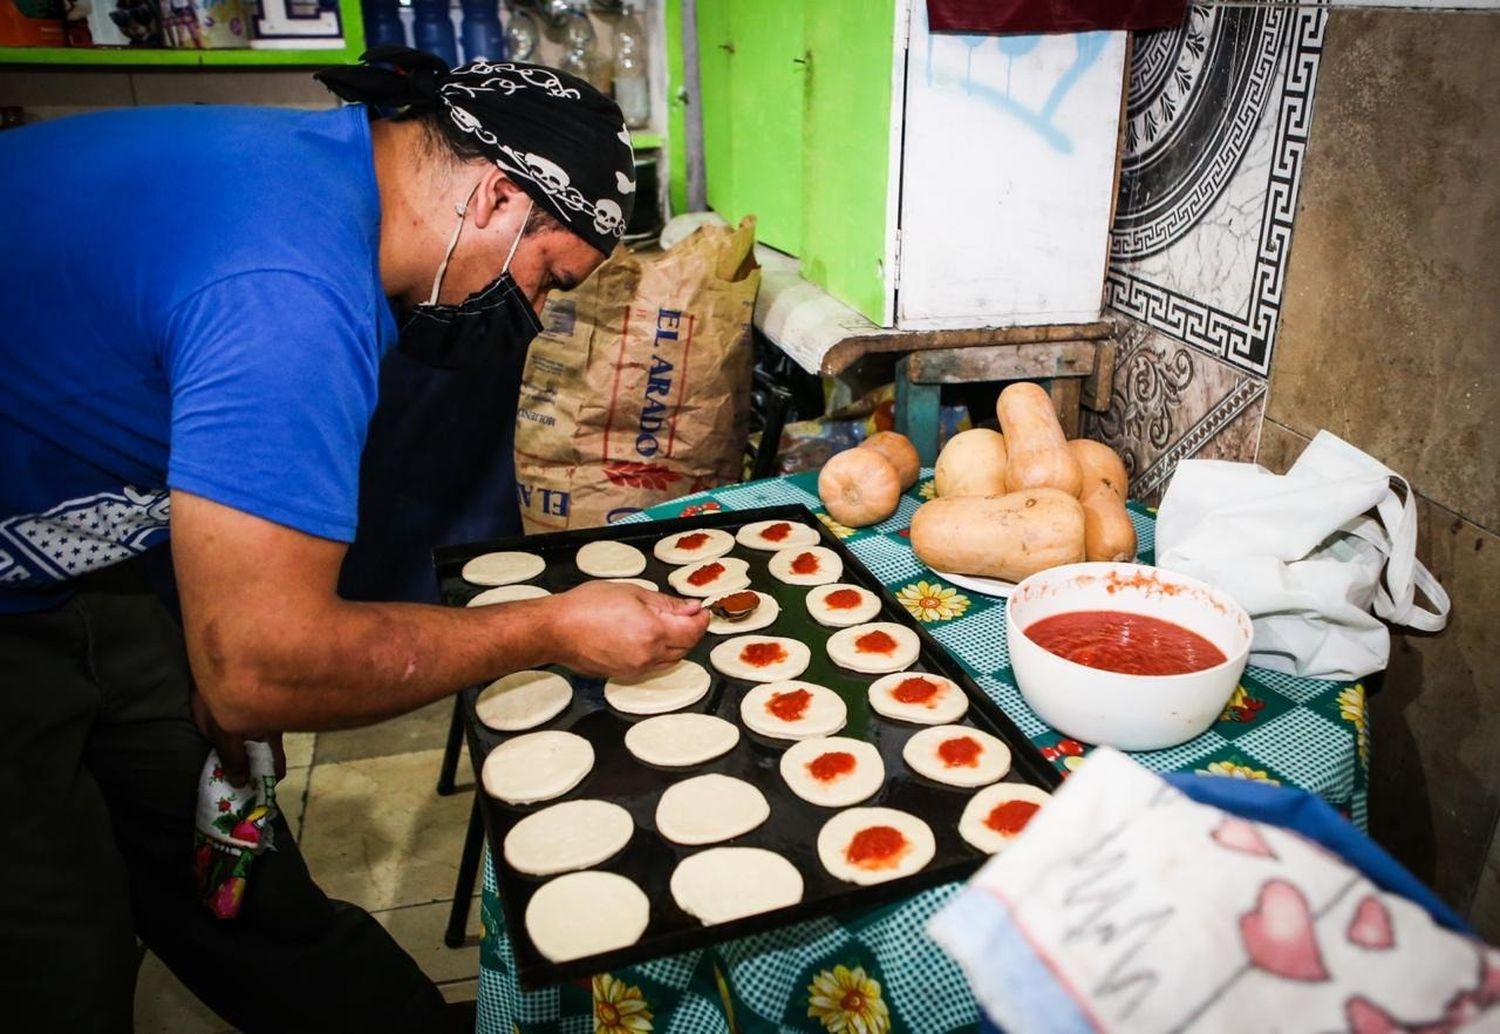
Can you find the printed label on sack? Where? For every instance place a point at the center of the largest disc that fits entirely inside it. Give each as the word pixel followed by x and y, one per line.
pixel 646 393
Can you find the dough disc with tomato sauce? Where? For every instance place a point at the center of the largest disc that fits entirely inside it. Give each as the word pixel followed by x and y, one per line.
pixel 688 547
pixel 610 560
pixel 754 536
pixel 503 568
pixel 873 845
pixel 713 577
pixel 568 836
pixel 765 613
pixel 507 594
pixel 974 825
pixel 679 740
pixel 709 808
pixel 586 913
pixel 781 711
pixel 849 647
pixel 523 700
pixel 918 697
pixel 665 689
pixel 793 566
pixel 760 658
pixel 833 771
pixel 855 605
pixel 727 883
pixel 537 766
pixel 957 755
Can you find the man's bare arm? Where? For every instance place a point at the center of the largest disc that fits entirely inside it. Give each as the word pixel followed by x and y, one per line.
pixel 273 647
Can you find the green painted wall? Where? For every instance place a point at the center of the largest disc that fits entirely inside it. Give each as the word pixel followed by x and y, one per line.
pixel 677 102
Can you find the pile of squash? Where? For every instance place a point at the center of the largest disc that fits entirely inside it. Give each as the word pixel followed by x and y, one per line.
pixel 1013 503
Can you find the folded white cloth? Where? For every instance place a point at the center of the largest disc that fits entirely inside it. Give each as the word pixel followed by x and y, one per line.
pixel 1126 906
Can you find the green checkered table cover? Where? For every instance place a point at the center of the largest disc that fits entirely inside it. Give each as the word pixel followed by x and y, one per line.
pixel 874 972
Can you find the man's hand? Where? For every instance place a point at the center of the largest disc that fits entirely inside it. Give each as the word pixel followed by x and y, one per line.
pixel 231 745
pixel 609 629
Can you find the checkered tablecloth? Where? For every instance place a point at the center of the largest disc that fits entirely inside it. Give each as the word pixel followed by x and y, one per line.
pixel 874 972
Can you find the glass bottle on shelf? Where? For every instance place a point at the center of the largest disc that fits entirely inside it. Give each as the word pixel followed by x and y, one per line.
pixel 383 23
pixel 578 48
pixel 521 35
pixel 632 88
pixel 482 35
pixel 432 29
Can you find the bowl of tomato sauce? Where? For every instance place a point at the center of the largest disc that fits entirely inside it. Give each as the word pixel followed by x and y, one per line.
pixel 1136 657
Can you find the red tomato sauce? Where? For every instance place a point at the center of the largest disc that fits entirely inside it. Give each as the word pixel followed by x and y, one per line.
pixel 916 691
pixel 1011 817
pixel 692 540
pixel 705 574
pixel 738 601
pixel 877 847
pixel 960 752
pixel 1131 644
pixel 842 599
pixel 875 642
pixel 776 532
pixel 825 768
pixel 762 654
pixel 805 563
pixel 789 707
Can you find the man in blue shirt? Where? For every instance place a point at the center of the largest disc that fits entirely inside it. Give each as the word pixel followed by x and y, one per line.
pixel 191 345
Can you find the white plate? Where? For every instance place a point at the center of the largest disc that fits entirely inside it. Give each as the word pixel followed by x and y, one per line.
pixel 974 583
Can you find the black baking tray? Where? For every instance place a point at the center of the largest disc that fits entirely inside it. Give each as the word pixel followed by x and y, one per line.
pixel 793 826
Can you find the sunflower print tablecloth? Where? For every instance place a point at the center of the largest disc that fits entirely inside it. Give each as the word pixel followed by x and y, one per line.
pixel 876 972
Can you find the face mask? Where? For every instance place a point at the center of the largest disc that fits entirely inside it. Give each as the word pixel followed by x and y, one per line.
pixel 468 335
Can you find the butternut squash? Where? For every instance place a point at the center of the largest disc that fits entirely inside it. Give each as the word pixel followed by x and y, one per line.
pixel 1037 453
pixel 972 463
pixel 1008 536
pixel 859 487
pixel 1108 533
pixel 900 451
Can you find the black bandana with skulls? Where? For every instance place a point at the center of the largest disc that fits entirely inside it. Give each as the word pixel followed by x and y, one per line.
pixel 556 137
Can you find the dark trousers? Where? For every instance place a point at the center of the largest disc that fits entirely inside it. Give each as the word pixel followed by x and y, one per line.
pixel 99 768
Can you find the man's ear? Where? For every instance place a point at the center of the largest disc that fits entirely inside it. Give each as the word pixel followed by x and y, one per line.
pixel 496 197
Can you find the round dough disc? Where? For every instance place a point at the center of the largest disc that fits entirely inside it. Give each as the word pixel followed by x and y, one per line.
pixel 666 689
pixel 537 766
pixel 821 712
pixel 765 614
pixel 568 836
pixel 586 913
pixel 957 755
pixel 507 594
pixel 974 825
pixel 833 771
pixel 754 536
pixel 610 560
pixel 726 883
pixel 723 575
pixel 850 611
pixel 854 827
pixel 793 567
pixel 846 649
pixel 503 568
pixel 644 583
pixel 680 740
pixel 918 697
pixel 740 658
pixel 523 700
pixel 709 808
pixel 714 543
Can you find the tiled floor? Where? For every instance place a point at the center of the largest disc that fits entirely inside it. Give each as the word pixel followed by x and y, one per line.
pixel 373 832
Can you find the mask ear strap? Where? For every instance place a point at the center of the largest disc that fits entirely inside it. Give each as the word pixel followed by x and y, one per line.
pixel 461 210
pixel 517 242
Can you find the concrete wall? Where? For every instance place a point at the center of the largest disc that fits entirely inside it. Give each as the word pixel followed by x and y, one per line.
pixel 1338 267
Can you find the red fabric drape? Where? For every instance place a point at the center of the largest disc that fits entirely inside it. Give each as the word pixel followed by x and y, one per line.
pixel 1052 15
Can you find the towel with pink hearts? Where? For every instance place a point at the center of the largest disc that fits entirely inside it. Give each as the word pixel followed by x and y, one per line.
pixel 1127 906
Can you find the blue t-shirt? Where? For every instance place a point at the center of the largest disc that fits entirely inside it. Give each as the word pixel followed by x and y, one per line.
pixel 193 301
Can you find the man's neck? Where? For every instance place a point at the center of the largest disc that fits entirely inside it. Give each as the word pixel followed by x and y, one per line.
pixel 413 219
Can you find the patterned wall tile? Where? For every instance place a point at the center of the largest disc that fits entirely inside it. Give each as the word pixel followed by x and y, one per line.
pixel 1217 120
pixel 1169 402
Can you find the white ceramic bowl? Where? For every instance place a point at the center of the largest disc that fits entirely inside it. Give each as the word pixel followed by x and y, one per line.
pixel 1131 712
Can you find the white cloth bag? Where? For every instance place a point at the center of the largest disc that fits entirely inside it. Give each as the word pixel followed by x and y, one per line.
pixel 1304 553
